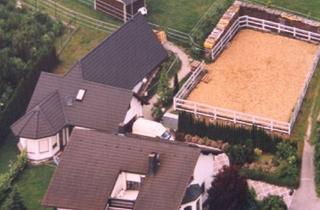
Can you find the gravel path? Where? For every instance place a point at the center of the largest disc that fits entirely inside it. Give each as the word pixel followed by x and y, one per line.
pixel 184 70
pixel 305 197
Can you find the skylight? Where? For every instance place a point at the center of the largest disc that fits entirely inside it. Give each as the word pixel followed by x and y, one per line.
pixel 80 94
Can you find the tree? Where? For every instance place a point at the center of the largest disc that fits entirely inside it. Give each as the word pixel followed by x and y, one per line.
pixel 229 191
pixel 164 91
pixel 14 201
pixel 273 202
pixel 176 84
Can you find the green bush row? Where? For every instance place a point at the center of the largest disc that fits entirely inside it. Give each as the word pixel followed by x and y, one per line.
pixel 317 165
pixel 7 178
pixel 280 178
pixel 231 134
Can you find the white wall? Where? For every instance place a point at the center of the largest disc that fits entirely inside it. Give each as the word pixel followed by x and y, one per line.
pixel 204 170
pixel 137 87
pixel 193 204
pixel 41 149
pixel 134 111
pixel 44 148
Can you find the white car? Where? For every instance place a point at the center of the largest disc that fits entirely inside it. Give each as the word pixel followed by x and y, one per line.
pixel 150 128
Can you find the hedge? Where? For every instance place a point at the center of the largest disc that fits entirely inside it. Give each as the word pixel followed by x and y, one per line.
pixel 271 178
pixel 6 179
pixel 228 133
pixel 19 100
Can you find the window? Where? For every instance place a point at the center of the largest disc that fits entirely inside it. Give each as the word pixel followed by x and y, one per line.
pixel 54 142
pixel 80 94
pixel 44 146
pixel 188 208
pixel 133 185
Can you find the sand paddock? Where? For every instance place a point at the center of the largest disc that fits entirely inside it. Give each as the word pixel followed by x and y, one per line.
pixel 258 73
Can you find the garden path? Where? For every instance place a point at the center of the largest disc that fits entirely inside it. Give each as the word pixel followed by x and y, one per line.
pixel 184 70
pixel 305 197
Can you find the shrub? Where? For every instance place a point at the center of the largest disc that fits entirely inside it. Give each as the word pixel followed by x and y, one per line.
pixel 273 202
pixel 231 134
pixel 285 150
pixel 258 152
pixel 7 178
pixel 13 201
pixel 272 178
pixel 241 154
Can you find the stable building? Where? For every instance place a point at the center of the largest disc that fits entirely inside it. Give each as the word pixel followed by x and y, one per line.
pixel 120 9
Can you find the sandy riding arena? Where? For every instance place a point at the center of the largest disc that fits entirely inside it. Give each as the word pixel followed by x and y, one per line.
pixel 258 73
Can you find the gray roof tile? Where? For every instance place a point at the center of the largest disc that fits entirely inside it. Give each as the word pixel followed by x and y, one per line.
pixel 92 161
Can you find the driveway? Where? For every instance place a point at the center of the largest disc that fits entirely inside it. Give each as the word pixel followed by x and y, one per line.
pixel 305 197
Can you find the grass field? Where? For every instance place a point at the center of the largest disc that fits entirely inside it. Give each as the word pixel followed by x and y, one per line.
pixel 310 8
pixel 81 43
pixel 178 14
pixel 33 183
pixel 8 153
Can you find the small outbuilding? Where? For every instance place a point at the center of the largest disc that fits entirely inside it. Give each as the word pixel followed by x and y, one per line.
pixel 121 9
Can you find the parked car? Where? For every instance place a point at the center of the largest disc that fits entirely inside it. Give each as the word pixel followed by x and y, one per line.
pixel 150 128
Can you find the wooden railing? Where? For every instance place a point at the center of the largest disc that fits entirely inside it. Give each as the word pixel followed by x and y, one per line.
pixel 261 24
pixel 199 109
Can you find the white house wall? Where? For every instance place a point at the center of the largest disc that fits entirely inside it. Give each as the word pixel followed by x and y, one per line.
pixel 134 111
pixel 44 148
pixel 192 204
pixel 204 170
pixel 41 149
pixel 137 87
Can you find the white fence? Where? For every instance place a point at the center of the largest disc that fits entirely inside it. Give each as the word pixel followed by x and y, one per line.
pixel 265 25
pixel 199 109
pixel 215 113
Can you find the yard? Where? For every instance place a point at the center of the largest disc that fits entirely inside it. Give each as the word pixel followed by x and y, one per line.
pixel 267 86
pixel 182 15
pixel 307 7
pixel 179 14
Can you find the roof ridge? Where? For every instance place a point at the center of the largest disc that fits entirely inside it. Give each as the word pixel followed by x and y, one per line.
pixel 26 122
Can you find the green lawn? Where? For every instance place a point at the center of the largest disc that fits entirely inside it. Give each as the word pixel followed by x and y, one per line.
pixel 80 44
pixel 8 152
pixel 178 14
pixel 307 7
pixel 89 11
pixel 32 184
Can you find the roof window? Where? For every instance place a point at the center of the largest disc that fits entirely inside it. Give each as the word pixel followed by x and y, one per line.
pixel 80 94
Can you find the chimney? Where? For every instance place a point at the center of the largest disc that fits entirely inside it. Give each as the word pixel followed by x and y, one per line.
pixel 154 163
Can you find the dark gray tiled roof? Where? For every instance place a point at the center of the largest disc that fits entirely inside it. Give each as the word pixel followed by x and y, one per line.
pixel 93 160
pixel 107 73
pixel 125 57
pixel 103 107
pixel 43 120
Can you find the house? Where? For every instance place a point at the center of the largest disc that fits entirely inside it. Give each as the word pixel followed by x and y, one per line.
pixel 100 171
pixel 121 9
pixel 100 92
